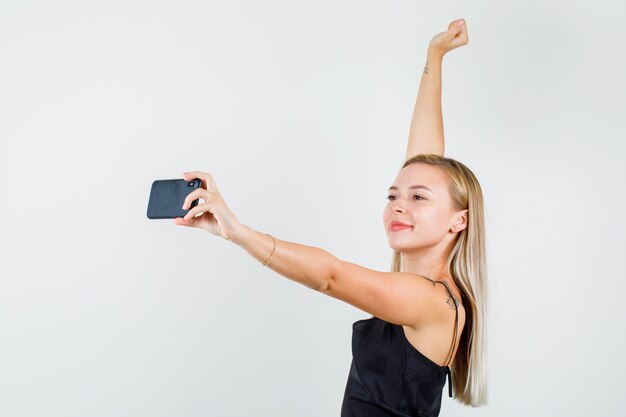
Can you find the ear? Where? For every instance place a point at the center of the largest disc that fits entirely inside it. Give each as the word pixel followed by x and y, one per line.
pixel 461 221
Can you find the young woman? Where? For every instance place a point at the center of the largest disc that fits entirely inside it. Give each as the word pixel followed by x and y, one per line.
pixel 428 318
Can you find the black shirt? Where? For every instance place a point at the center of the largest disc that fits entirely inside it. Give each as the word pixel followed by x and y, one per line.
pixel 389 376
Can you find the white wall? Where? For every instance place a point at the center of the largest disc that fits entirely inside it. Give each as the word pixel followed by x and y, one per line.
pixel 300 111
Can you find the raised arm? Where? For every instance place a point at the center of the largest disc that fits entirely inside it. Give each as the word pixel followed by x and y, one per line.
pixel 426 131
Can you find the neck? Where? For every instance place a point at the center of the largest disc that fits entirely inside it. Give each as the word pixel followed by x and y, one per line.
pixel 430 262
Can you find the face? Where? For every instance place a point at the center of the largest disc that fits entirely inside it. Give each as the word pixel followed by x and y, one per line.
pixel 428 211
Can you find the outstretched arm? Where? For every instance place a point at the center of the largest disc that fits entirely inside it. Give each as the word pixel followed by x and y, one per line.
pixel 426 131
pixel 396 297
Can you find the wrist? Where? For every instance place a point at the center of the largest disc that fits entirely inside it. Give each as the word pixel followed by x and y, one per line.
pixel 240 234
pixel 434 55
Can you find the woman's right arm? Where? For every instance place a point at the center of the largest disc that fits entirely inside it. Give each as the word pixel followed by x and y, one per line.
pixel 426 131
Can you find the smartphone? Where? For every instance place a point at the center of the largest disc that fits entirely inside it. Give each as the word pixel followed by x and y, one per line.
pixel 167 198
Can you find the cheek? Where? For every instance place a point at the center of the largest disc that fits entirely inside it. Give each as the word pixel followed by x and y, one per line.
pixel 385 220
pixel 427 220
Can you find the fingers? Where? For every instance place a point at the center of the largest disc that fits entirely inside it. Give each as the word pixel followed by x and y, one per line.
pixel 200 208
pixel 458 30
pixel 194 195
pixel 456 25
pixel 182 222
pixel 205 177
pixel 208 192
pixel 454 29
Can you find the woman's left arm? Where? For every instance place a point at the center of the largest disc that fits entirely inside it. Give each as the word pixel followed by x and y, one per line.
pixel 308 265
pixel 397 297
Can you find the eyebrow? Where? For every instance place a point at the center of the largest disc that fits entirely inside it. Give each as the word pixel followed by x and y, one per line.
pixel 412 187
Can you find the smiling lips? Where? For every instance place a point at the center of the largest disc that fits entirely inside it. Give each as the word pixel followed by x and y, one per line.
pixel 396 225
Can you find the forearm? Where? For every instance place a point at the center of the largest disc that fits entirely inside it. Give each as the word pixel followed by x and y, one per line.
pixel 426 131
pixel 307 265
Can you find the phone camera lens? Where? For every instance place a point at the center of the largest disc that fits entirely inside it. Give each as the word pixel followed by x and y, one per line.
pixel 190 184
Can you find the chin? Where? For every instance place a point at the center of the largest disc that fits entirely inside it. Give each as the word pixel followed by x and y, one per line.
pixel 402 247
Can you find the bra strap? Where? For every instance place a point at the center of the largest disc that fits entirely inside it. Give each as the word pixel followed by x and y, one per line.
pixel 456 323
pixel 450 353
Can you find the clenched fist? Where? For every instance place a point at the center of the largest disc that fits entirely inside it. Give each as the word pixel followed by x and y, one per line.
pixel 455 36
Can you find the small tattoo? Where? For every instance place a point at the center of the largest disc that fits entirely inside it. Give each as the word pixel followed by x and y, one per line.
pixel 451 301
pixel 426 69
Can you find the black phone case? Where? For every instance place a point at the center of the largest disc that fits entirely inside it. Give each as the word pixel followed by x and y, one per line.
pixel 167 198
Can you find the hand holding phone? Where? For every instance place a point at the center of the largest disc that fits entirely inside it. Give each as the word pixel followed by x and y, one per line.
pixel 213 215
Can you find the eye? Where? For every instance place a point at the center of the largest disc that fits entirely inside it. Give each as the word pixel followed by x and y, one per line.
pixel 416 195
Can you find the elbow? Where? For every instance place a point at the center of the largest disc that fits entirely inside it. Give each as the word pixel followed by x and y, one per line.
pixel 326 283
pixel 324 286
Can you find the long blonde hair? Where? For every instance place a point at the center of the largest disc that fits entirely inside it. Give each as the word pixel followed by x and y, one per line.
pixel 467 265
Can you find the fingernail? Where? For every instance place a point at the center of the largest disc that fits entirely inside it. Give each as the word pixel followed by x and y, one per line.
pixel 459 22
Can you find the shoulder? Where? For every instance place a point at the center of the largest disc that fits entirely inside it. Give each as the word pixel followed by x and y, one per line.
pixel 445 303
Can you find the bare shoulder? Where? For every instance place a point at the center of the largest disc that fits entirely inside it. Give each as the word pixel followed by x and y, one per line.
pixel 434 335
pixel 448 301
pixel 445 302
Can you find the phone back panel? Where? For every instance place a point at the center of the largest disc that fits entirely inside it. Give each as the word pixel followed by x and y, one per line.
pixel 167 198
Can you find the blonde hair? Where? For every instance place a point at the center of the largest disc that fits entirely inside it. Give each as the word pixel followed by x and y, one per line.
pixel 467 266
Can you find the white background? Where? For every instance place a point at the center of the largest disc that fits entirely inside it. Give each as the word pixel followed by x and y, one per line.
pixel 300 111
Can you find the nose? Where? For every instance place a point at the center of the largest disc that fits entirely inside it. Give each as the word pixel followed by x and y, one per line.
pixel 397 209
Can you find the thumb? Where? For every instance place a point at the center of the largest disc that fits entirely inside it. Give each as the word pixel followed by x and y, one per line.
pixel 455 27
pixel 193 222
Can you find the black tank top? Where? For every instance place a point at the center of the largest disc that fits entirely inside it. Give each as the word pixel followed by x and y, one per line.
pixel 389 376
